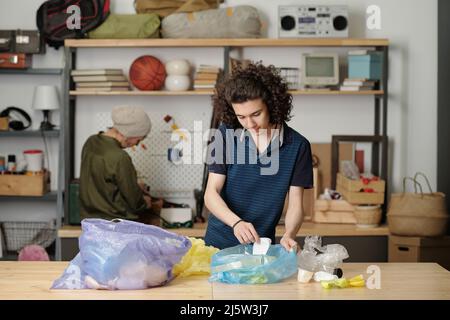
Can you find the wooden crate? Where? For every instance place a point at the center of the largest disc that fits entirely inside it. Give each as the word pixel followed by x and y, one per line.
pixel 420 249
pixel 356 185
pixel 361 197
pixel 333 211
pixel 23 185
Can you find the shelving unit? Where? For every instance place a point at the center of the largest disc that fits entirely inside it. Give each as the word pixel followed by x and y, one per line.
pixel 71 47
pixel 54 195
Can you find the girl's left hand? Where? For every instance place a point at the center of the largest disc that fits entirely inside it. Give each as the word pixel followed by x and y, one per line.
pixel 288 243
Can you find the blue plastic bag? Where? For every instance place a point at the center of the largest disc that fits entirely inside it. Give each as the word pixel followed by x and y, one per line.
pixel 238 265
pixel 123 254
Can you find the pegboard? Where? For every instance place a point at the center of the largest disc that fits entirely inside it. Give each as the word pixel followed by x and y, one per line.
pixel 166 179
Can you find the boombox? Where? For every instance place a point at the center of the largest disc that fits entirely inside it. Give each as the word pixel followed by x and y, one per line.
pixel 306 21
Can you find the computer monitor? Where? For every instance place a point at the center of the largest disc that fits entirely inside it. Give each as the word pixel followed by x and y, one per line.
pixel 320 69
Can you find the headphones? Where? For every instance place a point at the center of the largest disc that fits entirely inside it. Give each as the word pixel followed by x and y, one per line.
pixel 17 124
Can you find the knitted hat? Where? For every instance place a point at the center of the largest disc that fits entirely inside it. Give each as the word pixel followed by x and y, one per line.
pixel 131 121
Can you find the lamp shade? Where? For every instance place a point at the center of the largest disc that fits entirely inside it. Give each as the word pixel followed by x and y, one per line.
pixel 45 98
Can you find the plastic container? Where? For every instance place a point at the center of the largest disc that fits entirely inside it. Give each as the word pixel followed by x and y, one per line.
pixel 304 276
pixel 34 160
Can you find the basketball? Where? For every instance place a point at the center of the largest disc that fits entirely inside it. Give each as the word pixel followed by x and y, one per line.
pixel 147 73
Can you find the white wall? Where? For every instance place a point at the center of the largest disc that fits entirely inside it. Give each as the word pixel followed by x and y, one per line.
pixel 412 82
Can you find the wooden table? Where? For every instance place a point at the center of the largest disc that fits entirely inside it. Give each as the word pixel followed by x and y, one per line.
pixel 404 281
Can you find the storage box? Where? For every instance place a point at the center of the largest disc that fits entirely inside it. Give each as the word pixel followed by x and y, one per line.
pixel 333 211
pixel 420 249
pixel 368 66
pixel 15 60
pixel 23 185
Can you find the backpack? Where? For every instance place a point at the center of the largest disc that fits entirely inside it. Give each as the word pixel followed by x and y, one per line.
pixel 52 17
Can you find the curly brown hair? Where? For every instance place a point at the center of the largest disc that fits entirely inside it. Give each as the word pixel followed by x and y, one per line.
pixel 254 81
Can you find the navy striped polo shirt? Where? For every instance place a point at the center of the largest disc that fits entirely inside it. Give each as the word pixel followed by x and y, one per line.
pixel 256 184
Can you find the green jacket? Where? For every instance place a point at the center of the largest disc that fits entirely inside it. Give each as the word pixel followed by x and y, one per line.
pixel 108 181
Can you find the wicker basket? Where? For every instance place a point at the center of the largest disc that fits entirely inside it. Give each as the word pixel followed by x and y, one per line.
pixel 418 214
pixel 417 226
pixel 367 216
pixel 19 234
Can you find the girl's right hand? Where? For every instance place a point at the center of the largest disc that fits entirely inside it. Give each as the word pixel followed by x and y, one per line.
pixel 245 233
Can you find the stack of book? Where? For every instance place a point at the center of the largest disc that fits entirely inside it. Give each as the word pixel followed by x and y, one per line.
pixel 91 80
pixel 357 85
pixel 206 77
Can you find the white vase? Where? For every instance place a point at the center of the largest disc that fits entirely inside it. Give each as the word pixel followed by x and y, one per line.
pixel 179 67
pixel 177 83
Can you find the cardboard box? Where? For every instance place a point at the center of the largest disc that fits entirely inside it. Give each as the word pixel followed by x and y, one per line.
pixel 23 185
pixel 420 249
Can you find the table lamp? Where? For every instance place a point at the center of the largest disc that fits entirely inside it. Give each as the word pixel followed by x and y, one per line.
pixel 46 98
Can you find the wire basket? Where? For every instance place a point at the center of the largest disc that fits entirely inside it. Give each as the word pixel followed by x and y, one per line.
pixel 19 234
pixel 291 76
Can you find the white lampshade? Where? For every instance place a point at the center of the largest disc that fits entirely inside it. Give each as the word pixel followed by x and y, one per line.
pixel 45 98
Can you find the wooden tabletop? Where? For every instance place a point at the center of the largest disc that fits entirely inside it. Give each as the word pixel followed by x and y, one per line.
pixel 404 281
pixel 308 228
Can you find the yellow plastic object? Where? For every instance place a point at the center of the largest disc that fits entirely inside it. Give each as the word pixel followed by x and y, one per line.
pixel 341 283
pixel 196 261
pixel 327 284
pixel 356 282
pixel 357 278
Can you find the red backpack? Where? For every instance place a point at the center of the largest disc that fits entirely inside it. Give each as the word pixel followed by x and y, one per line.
pixel 52 18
